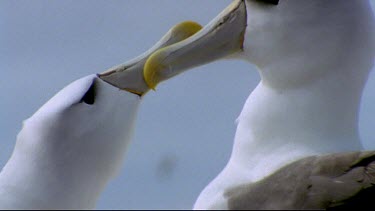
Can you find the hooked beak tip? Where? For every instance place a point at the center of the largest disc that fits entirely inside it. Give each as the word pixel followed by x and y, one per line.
pixel 222 37
pixel 154 65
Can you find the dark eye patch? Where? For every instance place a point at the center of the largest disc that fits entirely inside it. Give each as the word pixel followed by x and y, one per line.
pixel 89 97
pixel 275 2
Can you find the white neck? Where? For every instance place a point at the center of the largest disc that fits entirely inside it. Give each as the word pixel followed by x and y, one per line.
pixel 280 125
pixel 307 103
pixel 43 185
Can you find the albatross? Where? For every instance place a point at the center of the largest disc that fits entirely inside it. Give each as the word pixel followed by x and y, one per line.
pixel 297 144
pixel 69 150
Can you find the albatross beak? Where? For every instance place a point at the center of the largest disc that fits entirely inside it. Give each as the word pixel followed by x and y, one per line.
pixel 129 76
pixel 222 37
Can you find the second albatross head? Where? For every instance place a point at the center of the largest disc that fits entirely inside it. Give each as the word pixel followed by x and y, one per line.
pixel 288 40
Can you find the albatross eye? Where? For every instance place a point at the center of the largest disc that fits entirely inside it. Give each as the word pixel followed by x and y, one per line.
pixel 89 97
pixel 275 2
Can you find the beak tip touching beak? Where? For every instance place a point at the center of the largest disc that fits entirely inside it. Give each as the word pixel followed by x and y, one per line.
pixel 186 29
pixel 185 46
pixel 153 65
pixel 222 37
pixel 150 71
pixel 132 77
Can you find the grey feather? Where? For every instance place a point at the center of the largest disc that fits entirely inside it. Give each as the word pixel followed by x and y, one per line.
pixel 334 181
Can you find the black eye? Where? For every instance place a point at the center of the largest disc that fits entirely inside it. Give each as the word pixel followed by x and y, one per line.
pixel 275 2
pixel 89 97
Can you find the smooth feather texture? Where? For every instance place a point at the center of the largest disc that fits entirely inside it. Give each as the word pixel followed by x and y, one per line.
pixel 70 148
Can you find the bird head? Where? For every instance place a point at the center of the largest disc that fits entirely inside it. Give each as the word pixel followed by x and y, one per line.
pixel 289 41
pixel 88 124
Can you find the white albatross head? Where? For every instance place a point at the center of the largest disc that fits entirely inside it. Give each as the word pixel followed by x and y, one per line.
pixel 289 41
pixel 74 144
pixel 313 56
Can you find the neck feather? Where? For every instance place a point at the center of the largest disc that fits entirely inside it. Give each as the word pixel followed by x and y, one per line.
pixel 279 125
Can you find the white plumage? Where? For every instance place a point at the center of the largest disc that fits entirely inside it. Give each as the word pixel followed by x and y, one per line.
pixel 313 57
pixel 326 119
pixel 68 150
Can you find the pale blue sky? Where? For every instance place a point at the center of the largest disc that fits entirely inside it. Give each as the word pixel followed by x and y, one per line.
pixel 184 131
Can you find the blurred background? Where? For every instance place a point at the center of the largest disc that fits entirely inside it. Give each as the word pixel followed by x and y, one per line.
pixel 185 129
